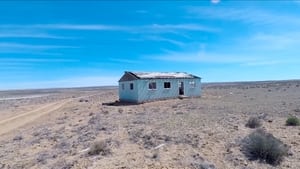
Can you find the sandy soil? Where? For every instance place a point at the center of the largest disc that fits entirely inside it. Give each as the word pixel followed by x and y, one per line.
pixel 58 128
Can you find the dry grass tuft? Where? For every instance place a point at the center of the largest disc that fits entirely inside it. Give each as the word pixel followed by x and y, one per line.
pixel 99 148
pixel 253 122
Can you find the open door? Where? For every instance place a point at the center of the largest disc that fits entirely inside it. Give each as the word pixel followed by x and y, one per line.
pixel 181 88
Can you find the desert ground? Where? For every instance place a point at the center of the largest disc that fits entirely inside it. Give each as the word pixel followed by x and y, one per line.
pixel 56 128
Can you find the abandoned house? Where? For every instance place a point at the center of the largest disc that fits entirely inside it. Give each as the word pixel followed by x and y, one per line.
pixel 141 87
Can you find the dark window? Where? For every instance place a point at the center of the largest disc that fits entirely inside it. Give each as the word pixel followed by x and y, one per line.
pixel 152 85
pixel 131 86
pixel 123 86
pixel 167 85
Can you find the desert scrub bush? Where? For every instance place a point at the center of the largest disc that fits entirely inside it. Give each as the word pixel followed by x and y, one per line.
pixel 263 146
pixel 120 110
pixel 99 148
pixel 292 121
pixel 253 122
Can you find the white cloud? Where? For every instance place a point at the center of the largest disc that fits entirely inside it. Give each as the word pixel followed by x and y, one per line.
pixel 215 1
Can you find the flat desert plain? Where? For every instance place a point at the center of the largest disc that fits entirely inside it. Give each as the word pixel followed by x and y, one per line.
pixel 59 128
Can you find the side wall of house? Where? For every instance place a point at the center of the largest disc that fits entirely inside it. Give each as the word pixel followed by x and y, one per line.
pixel 192 87
pixel 126 93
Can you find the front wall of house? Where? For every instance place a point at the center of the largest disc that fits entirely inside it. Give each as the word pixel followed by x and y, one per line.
pixel 127 94
pixel 146 94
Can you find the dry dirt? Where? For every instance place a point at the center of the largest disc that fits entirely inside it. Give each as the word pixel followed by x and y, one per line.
pixel 55 128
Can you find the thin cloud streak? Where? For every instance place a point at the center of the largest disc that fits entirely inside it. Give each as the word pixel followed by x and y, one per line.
pixel 215 58
pixel 64 27
pixel 17 68
pixel 277 41
pixel 159 39
pixel 31 35
pixel 120 60
pixel 272 62
pixel 200 57
pixel 100 27
pixel 270 42
pixel 82 27
pixel 36 60
pixel 187 27
pixel 6 47
pixel 246 15
pixel 263 63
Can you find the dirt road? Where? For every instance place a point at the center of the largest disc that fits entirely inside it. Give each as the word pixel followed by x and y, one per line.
pixel 11 123
pixel 19 120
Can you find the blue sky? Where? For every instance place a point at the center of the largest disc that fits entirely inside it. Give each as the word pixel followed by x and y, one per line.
pixel 89 43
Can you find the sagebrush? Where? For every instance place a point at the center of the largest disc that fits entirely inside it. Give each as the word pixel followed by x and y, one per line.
pixel 263 146
pixel 293 121
pixel 253 122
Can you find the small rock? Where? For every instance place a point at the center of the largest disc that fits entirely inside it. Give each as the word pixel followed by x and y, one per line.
pixel 179 112
pixel 18 138
pixel 207 166
pixel 297 110
pixel 294 143
pixel 229 151
pixel 236 127
pixel 290 153
pixel 83 100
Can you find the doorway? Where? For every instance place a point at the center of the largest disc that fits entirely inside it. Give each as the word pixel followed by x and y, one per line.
pixel 181 88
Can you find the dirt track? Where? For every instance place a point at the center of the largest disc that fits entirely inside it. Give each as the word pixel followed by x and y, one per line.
pixel 11 123
pixel 19 120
